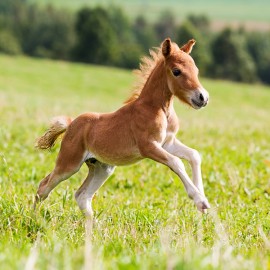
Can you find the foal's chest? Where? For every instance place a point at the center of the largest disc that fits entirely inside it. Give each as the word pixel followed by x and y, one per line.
pixel 172 127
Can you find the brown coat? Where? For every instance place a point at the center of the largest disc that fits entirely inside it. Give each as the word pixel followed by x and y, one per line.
pixel 145 127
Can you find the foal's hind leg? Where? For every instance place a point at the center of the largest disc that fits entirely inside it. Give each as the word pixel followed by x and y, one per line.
pixel 97 175
pixel 67 164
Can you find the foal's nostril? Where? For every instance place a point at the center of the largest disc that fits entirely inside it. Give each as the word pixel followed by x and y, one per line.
pixel 201 97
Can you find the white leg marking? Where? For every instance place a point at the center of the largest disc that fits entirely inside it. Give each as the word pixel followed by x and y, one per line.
pixel 158 153
pixel 176 148
pixel 98 174
pixel 200 200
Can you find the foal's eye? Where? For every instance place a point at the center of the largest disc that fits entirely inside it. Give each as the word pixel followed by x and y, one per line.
pixel 176 72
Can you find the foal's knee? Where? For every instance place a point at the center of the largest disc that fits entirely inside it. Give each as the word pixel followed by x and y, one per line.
pixel 195 157
pixel 78 195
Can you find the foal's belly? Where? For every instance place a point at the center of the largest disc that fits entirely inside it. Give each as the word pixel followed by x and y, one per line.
pixel 115 158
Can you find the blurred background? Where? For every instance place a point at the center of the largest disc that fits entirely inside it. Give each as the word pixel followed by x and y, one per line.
pixel 233 36
pixel 145 219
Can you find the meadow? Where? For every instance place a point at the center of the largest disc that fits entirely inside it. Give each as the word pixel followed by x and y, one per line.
pixel 143 217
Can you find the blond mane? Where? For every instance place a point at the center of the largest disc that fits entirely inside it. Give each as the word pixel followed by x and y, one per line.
pixel 147 65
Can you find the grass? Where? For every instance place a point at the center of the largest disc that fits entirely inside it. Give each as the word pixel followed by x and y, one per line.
pixel 144 219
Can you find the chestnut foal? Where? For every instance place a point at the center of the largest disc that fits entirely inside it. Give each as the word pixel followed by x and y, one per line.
pixel 145 127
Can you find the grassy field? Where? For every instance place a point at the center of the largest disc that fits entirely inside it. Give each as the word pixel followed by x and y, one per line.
pixel 144 219
pixel 217 10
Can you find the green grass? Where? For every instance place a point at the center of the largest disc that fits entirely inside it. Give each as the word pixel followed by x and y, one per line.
pixel 144 218
pixel 216 10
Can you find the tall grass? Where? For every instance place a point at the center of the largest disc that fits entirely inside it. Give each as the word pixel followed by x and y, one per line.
pixel 143 218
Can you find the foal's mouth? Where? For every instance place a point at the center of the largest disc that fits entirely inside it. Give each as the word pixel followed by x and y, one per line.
pixel 198 104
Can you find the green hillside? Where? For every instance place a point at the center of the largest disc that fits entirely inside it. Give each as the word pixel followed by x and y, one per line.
pixel 144 217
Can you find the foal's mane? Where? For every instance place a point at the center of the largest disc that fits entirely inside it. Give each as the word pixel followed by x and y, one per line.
pixel 147 65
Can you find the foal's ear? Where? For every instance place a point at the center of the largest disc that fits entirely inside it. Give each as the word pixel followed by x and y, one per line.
pixel 187 48
pixel 166 47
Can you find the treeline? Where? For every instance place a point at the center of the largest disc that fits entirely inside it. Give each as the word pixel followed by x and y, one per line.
pixel 108 37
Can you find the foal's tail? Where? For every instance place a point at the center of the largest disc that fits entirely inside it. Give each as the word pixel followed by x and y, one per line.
pixel 59 125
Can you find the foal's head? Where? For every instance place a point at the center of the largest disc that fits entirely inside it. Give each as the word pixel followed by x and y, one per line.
pixel 182 74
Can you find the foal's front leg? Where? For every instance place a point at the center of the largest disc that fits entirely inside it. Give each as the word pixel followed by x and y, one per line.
pixel 154 151
pixel 176 148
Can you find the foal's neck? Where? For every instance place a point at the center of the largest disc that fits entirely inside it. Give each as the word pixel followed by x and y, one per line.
pixel 156 91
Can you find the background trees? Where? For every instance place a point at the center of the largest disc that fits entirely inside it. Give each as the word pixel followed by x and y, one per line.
pixel 108 37
pixel 96 41
pixel 258 45
pixel 46 33
pixel 231 59
pixel 197 27
pixel 104 37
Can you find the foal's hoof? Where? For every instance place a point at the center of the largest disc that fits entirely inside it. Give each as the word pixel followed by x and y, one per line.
pixel 203 206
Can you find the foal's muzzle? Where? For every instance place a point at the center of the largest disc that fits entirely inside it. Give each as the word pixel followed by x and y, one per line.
pixel 200 98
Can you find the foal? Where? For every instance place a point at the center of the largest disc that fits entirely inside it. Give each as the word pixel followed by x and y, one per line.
pixel 145 127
